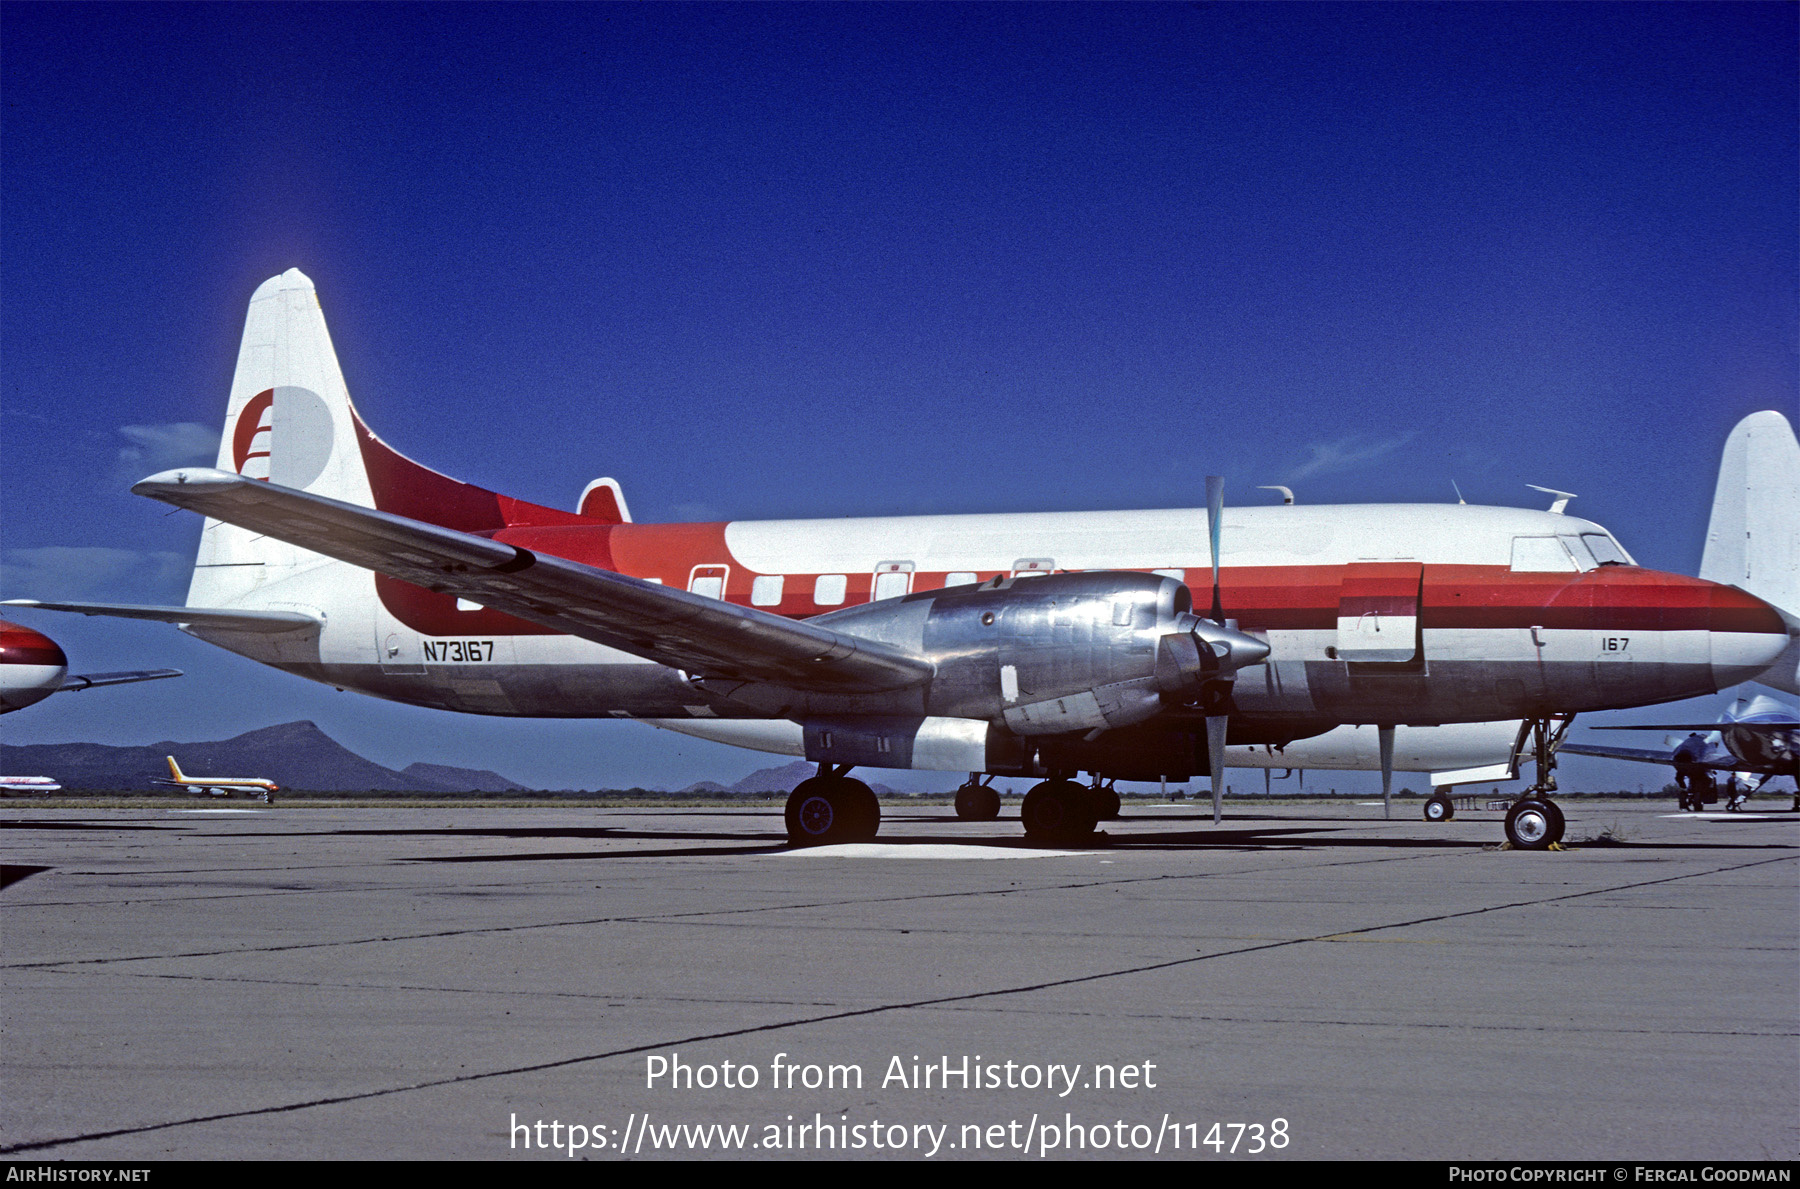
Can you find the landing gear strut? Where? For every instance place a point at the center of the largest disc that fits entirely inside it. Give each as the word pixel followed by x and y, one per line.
pixel 831 807
pixel 976 800
pixel 1535 822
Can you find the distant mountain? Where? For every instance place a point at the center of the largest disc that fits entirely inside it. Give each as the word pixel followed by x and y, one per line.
pixel 774 780
pixel 462 780
pixel 295 755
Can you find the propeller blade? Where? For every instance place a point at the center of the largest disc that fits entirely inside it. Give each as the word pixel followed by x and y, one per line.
pixel 1386 736
pixel 1215 516
pixel 1215 758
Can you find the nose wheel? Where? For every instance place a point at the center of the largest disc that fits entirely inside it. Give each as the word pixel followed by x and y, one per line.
pixel 1535 822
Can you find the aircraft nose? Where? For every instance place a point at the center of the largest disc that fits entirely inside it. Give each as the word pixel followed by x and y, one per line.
pixel 1745 634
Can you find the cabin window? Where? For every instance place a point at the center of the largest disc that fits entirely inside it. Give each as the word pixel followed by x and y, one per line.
pixel 766 590
pixel 960 578
pixel 708 581
pixel 891 585
pixel 829 590
pixel 1540 555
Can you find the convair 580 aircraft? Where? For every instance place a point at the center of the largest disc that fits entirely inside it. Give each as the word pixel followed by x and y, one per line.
pixel 1028 644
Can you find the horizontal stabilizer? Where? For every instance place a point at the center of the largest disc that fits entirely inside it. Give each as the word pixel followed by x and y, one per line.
pixel 1641 755
pixel 90 680
pixel 687 631
pixel 221 618
pixel 1482 775
pixel 1707 726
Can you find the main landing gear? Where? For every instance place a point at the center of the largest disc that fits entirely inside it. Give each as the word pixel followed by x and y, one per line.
pixel 831 807
pixel 1535 822
pixel 1059 812
pixel 977 801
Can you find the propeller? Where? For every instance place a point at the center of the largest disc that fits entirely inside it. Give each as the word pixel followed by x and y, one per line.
pixel 1198 663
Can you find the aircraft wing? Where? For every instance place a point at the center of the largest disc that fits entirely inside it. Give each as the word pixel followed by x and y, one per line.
pixel 673 627
pixel 206 617
pixel 1642 755
pixel 89 680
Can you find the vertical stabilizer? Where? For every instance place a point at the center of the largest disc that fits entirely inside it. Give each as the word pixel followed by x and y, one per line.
pixel 1753 538
pixel 289 421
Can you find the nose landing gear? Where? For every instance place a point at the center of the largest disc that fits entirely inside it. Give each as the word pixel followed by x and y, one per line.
pixel 1535 822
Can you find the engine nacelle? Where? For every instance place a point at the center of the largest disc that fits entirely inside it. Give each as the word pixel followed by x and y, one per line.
pixel 1058 654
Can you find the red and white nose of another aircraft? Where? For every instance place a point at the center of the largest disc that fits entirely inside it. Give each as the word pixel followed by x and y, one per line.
pixel 32 666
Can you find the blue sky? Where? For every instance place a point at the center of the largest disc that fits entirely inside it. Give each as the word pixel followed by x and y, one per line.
pixel 772 260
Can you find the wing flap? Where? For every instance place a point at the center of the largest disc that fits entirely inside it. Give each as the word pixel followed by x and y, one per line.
pixel 673 627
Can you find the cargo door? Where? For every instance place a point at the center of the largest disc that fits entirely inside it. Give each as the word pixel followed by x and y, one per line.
pixel 1378 612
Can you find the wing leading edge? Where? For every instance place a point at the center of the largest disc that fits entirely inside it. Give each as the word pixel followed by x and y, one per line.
pixel 672 627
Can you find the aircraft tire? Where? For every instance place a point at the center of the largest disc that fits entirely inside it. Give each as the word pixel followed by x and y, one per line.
pixel 1557 822
pixel 1105 803
pixel 864 810
pixel 977 803
pixel 1439 808
pixel 1530 824
pixel 1057 813
pixel 817 813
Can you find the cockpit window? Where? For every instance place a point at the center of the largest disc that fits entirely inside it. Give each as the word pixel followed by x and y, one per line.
pixel 1606 551
pixel 1584 560
pixel 1541 555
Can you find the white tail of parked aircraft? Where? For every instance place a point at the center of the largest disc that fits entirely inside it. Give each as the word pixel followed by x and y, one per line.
pixel 1753 538
pixel 1042 645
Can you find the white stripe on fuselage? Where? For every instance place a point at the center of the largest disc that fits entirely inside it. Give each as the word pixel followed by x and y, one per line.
pixel 1323 535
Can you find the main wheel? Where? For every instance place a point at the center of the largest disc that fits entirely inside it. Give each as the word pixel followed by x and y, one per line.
pixel 1439 808
pixel 819 811
pixel 1057 812
pixel 977 803
pixel 1105 803
pixel 864 810
pixel 1531 824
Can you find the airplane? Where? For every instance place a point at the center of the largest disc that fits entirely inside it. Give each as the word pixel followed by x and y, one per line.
pixel 1755 736
pixel 1037 644
pixel 220 786
pixel 29 784
pixel 33 666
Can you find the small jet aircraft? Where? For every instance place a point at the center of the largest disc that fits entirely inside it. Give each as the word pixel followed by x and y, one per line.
pixel 33 666
pixel 1756 737
pixel 220 786
pixel 1042 644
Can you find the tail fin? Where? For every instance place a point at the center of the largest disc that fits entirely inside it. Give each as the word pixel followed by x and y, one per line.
pixel 1753 539
pixel 289 421
pixel 174 768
